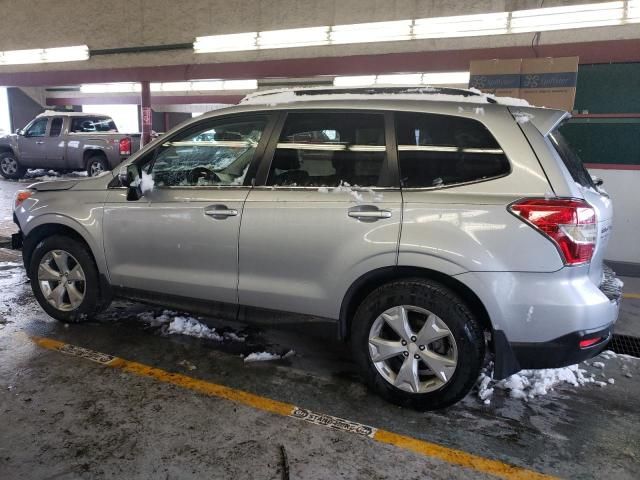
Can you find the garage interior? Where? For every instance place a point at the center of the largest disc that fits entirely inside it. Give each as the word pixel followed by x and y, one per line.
pixel 121 396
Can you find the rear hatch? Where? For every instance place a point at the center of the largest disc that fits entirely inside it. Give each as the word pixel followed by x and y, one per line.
pixel 596 197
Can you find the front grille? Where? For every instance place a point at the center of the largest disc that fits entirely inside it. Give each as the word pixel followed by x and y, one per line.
pixel 626 345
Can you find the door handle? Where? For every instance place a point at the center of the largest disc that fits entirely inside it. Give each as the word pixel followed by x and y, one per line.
pixel 220 211
pixel 39 143
pixel 368 213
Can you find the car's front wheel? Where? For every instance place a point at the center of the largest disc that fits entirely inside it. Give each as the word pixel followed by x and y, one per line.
pixel 10 167
pixel 65 279
pixel 417 344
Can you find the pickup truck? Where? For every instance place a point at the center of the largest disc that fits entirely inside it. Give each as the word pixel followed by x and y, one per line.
pixel 66 141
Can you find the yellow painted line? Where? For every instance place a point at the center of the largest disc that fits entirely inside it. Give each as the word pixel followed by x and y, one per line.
pixel 631 295
pixel 455 457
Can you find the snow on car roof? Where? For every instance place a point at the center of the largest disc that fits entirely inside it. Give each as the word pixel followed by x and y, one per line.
pixel 380 92
pixel 54 113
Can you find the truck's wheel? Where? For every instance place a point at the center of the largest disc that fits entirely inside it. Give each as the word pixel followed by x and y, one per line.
pixel 97 164
pixel 10 167
pixel 417 344
pixel 65 280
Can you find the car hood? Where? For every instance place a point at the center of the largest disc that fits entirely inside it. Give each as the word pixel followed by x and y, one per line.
pixel 92 183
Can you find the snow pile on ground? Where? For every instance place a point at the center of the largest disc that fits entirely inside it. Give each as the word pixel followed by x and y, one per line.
pixel 528 384
pixel 193 328
pixel 172 323
pixel 266 356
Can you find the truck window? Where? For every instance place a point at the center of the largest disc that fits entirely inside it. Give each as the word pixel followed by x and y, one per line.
pixel 37 128
pixel 92 125
pixel 56 127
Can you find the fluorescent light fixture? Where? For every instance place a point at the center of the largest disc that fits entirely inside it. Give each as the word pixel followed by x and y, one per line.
pixel 497 23
pixel 240 85
pixel 461 25
pixel 124 87
pixel 633 11
pixel 446 78
pixel 44 55
pixel 294 37
pixel 400 79
pixel 561 18
pixel 355 81
pixel 234 42
pixel 439 78
pixel 371 32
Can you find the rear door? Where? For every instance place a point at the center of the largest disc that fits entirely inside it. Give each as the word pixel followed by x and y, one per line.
pixel 181 238
pixel 54 144
pixel 327 210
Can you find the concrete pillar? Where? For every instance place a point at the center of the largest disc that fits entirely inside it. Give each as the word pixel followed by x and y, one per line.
pixel 166 122
pixel 145 112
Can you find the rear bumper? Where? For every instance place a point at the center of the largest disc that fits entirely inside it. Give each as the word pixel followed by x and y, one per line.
pixel 559 352
pixel 539 319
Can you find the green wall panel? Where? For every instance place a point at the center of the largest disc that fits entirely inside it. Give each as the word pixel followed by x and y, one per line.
pixel 608 88
pixel 604 141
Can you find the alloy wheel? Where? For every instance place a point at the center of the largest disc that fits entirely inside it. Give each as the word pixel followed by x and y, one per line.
pixel 95 168
pixel 413 349
pixel 61 280
pixel 9 165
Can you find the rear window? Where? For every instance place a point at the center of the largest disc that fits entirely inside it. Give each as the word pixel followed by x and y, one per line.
pixel 440 150
pixel 92 124
pixel 571 160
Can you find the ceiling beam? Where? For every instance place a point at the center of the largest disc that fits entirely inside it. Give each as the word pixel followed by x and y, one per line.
pixel 425 61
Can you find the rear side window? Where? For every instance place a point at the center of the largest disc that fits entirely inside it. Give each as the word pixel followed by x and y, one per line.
pixel 324 149
pixel 56 127
pixel 439 150
pixel 92 124
pixel 571 160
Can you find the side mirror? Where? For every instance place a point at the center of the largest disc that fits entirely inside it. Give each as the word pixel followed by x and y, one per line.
pixel 19 131
pixel 134 182
pixel 597 181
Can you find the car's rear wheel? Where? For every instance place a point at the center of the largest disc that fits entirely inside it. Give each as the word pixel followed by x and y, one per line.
pixel 97 164
pixel 10 167
pixel 417 344
pixel 65 280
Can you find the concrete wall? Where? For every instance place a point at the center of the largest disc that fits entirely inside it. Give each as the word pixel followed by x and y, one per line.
pixel 22 108
pixel 622 186
pixel 132 23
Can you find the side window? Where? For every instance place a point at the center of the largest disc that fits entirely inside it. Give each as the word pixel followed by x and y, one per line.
pixel 92 124
pixel 56 127
pixel 571 160
pixel 329 150
pixel 210 154
pixel 37 128
pixel 439 150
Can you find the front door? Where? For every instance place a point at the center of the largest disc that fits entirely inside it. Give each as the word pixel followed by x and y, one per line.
pixel 181 237
pixel 330 212
pixel 31 143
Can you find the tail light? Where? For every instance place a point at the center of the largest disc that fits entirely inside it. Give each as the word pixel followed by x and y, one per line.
pixel 125 146
pixel 569 223
pixel 21 196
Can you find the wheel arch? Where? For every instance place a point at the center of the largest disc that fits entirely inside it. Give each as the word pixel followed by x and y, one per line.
pixel 93 152
pixel 7 149
pixel 364 285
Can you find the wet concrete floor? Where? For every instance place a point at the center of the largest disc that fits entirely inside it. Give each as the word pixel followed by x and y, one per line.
pixel 65 417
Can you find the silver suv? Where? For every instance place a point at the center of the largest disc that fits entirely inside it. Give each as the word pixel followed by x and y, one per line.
pixel 436 227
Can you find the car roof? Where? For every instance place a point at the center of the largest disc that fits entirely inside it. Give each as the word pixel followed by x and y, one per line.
pixel 54 113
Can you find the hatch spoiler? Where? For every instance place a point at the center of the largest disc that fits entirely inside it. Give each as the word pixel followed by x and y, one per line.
pixel 544 119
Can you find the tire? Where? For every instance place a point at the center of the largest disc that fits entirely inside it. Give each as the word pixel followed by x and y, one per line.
pixel 10 167
pixel 449 317
pixel 49 259
pixel 97 164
